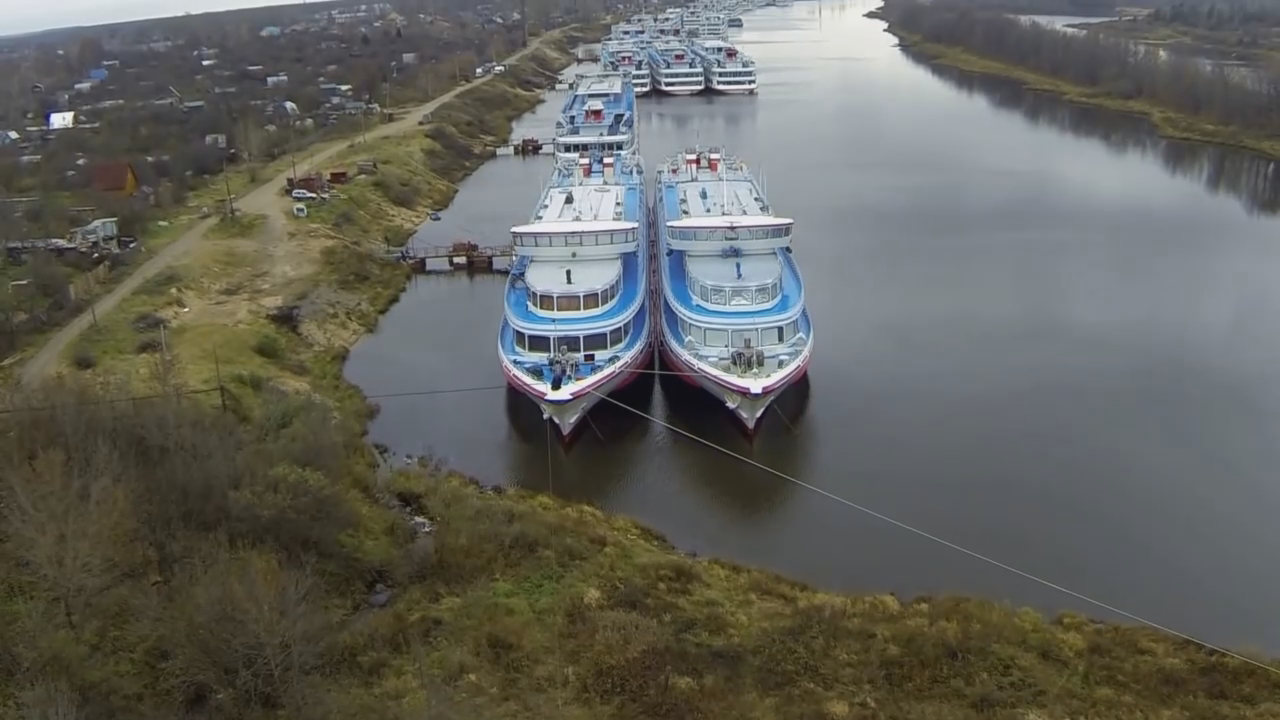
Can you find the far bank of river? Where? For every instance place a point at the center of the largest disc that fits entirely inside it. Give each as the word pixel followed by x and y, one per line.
pixel 1169 123
pixel 1046 334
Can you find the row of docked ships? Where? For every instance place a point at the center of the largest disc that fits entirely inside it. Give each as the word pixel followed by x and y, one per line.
pixel 682 51
pixel 604 275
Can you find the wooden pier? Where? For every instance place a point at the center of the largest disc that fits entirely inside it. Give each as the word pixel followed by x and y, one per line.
pixel 524 147
pixel 463 255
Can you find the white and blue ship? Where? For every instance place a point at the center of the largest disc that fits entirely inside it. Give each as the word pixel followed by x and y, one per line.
pixel 733 318
pixel 599 117
pixel 728 70
pixel 577 324
pixel 675 69
pixel 629 58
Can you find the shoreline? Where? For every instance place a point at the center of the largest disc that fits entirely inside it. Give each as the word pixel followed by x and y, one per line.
pixel 1166 123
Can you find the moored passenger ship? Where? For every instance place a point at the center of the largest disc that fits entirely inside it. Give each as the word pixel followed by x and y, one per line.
pixel 598 118
pixel 577 324
pixel 734 320
pixel 675 69
pixel 629 58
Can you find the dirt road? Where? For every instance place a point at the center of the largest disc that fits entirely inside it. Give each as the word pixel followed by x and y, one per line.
pixel 265 199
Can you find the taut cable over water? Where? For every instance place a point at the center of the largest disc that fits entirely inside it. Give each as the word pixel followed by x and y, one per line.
pixel 947 543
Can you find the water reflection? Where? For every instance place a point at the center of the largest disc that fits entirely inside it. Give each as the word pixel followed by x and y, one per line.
pixel 1249 177
pixel 583 470
pixel 746 490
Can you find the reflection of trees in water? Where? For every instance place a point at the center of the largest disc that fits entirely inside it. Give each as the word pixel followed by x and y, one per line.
pixel 1249 177
pixel 590 467
pixel 731 483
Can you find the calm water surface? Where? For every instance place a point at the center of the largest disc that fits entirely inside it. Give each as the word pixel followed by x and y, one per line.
pixel 1042 334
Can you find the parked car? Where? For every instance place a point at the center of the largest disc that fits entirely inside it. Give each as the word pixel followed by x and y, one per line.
pixel 434 216
pixel 300 194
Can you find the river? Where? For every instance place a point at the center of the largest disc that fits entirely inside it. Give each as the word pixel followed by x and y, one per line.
pixel 1042 334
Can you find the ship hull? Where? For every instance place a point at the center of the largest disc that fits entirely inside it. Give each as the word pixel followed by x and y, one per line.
pixel 567 413
pixel 735 89
pixel 679 91
pixel 747 408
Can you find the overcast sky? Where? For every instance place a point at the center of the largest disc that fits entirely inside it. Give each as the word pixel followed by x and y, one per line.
pixel 18 16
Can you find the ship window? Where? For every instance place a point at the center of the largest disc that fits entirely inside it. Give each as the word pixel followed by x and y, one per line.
pixel 771 335
pixel 568 303
pixel 520 340
pixel 704 293
pixel 539 343
pixel 591 301
pixel 543 240
pixel 592 343
pixel 695 333
pixel 616 336
pixel 606 295
pixel 717 296
pixel 684 326
pixel 716 337
pixel 572 342
pixel 546 302
pixel 742 337
pixel 788 331
pixel 533 298
pixel 763 295
pixel 738 298
pixel 777 288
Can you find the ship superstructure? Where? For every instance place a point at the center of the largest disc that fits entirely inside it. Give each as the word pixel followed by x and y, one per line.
pixel 599 117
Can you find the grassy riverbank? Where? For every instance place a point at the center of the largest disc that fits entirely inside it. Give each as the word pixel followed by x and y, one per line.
pixel 276 301
pixel 1168 123
pixel 164 558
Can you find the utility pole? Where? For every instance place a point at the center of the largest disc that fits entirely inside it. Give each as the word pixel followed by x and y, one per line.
pixel 226 181
pixel 524 20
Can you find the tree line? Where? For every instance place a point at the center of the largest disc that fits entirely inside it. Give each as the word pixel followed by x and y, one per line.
pixel 1083 8
pixel 1232 16
pixel 1115 67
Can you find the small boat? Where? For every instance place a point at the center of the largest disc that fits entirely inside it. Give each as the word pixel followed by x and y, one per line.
pixel 599 117
pixel 577 323
pixel 734 321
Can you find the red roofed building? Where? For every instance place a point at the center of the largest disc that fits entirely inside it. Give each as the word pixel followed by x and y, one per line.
pixel 115 178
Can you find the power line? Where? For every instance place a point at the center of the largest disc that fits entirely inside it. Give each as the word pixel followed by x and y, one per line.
pixel 947 543
pixel 445 391
pixel 742 458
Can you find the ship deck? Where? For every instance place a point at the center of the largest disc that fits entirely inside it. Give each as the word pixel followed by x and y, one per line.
pixel 605 93
pixel 634 287
pixel 792 287
pixel 709 197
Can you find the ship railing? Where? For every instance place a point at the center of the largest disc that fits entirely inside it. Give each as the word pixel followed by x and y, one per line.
pixel 759 232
